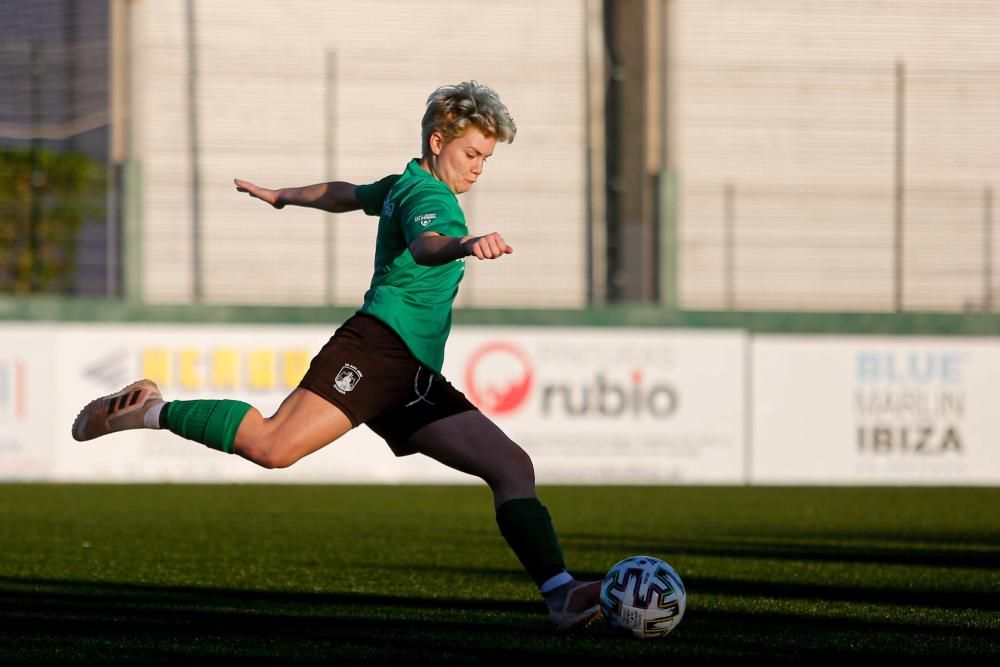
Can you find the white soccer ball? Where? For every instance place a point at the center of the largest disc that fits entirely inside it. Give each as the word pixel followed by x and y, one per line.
pixel 643 596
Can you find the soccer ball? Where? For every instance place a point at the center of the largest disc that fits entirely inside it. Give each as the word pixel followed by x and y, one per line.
pixel 643 596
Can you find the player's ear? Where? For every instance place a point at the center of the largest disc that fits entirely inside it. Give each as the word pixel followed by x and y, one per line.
pixel 436 142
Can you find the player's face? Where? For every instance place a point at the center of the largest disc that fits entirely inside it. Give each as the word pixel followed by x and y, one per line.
pixel 460 162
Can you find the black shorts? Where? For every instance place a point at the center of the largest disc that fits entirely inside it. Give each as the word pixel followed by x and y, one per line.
pixel 368 372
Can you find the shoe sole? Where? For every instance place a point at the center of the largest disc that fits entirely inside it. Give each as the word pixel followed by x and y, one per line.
pixel 581 621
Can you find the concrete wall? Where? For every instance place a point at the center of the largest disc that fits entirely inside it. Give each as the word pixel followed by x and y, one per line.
pixel 299 92
pixel 792 104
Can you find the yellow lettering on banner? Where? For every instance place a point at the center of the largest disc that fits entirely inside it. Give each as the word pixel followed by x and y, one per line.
pixel 187 371
pixel 156 365
pixel 295 367
pixel 224 365
pixel 260 374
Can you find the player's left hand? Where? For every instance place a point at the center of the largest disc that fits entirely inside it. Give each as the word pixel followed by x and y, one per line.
pixel 490 246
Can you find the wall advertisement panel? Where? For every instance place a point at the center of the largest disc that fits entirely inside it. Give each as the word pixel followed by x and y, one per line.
pixel 875 410
pixel 256 364
pixel 612 405
pixel 25 402
pixel 589 405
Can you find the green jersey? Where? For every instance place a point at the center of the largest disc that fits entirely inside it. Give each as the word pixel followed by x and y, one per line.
pixel 414 300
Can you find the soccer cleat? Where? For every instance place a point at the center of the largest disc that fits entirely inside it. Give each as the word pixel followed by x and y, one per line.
pixel 116 412
pixel 580 607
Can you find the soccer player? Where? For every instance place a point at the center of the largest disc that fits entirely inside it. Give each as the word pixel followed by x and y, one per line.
pixel 382 367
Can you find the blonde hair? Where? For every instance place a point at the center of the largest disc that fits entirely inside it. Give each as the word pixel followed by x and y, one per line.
pixel 451 109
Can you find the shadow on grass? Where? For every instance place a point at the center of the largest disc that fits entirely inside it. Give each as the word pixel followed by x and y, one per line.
pixel 912 552
pixel 76 621
pixel 862 594
pixel 66 621
pixel 836 550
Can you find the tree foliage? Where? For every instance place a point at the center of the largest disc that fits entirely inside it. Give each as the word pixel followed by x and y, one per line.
pixel 45 199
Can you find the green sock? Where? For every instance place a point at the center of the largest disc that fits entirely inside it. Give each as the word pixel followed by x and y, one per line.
pixel 212 423
pixel 526 525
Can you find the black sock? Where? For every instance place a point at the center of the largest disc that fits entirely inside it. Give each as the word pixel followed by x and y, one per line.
pixel 526 525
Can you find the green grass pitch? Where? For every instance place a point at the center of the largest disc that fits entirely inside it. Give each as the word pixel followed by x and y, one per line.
pixel 198 573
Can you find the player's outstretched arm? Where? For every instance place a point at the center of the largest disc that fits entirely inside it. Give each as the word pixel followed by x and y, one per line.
pixel 432 248
pixel 335 197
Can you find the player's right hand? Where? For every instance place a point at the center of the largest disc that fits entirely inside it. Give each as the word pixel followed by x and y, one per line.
pixel 263 194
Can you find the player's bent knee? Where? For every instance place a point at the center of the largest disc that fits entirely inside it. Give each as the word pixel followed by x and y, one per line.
pixel 273 460
pixel 525 463
pixel 267 453
pixel 517 470
pixel 525 467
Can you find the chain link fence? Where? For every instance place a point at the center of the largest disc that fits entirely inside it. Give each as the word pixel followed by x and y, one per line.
pixel 56 231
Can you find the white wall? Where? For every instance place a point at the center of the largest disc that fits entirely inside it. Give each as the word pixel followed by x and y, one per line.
pixel 268 103
pixel 868 409
pixel 793 102
pixel 590 405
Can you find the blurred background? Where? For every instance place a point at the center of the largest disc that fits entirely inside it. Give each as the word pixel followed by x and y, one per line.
pixel 835 155
pixel 768 167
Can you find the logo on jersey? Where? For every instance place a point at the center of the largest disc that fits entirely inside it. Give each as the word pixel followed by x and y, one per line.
pixel 347 379
pixel 388 207
pixel 425 219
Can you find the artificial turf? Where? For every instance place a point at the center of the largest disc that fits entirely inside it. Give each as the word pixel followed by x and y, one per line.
pixel 227 573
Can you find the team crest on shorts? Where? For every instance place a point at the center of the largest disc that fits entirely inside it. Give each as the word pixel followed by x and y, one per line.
pixel 347 379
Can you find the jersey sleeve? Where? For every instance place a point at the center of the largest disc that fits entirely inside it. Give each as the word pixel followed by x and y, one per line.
pixel 372 196
pixel 432 212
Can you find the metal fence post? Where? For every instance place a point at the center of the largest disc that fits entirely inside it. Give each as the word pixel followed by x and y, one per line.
pixel 197 288
pixel 331 164
pixel 729 245
pixel 900 182
pixel 988 249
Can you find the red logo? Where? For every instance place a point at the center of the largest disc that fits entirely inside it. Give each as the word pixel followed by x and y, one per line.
pixel 498 378
pixel 13 389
